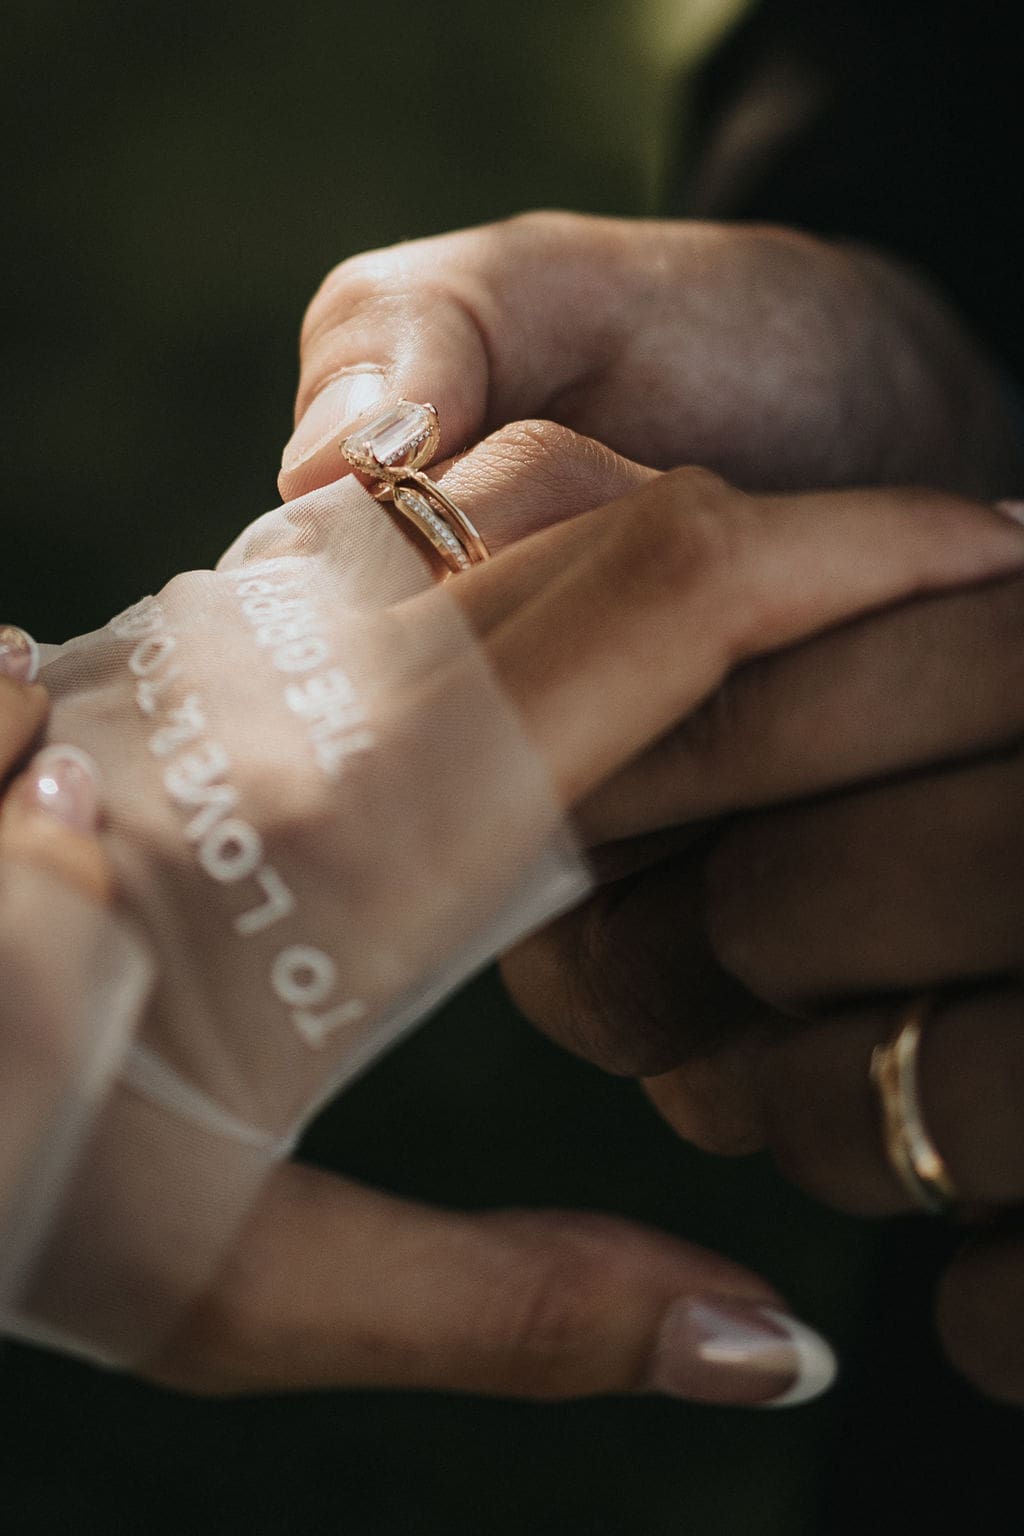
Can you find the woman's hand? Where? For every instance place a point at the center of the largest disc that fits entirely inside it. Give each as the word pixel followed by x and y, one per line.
pixel 806 928
pixel 772 357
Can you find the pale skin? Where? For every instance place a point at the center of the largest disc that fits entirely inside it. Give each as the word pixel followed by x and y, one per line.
pixel 783 362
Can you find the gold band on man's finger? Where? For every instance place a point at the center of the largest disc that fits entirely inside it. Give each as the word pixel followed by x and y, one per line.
pixel 912 1154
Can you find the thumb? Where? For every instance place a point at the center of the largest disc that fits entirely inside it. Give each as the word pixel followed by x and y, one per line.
pixel 336 1285
pixel 490 325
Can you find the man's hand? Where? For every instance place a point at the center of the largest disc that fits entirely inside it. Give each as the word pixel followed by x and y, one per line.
pixel 775 358
pixel 754 971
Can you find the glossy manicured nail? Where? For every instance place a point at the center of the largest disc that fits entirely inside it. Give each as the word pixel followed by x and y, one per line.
pixel 64 782
pixel 341 404
pixel 1014 510
pixel 19 655
pixel 714 1349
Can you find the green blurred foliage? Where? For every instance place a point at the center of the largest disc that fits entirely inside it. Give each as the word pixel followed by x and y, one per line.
pixel 180 178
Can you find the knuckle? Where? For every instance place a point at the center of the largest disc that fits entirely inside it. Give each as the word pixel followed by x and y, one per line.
pixel 560 468
pixel 693 535
pixel 534 445
pixel 545 225
pixel 558 1307
pixel 584 989
pixel 346 288
pixel 562 1295
pixel 711 1101
pixel 219 1347
pixel 613 1018
pixel 619 1036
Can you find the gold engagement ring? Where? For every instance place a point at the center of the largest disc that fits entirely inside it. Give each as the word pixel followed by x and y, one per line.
pixel 391 451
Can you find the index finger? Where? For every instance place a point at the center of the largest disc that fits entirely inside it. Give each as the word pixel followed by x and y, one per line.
pixel 925 682
pixel 633 615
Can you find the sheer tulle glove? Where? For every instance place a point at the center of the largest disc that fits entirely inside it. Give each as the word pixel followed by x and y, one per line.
pixel 75 975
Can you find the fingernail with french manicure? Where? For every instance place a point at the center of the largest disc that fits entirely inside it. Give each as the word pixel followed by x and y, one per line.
pixel 64 782
pixel 724 1350
pixel 19 655
pixel 339 406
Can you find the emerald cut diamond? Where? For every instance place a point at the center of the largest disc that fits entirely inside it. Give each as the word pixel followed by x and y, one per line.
pixel 404 436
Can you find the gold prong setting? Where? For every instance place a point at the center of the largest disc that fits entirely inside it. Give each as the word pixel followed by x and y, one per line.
pixel 405 436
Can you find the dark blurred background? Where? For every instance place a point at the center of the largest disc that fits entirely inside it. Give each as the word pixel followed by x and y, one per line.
pixel 177 181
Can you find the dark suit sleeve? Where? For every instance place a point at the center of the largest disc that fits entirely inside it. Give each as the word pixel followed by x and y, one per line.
pixel 900 124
